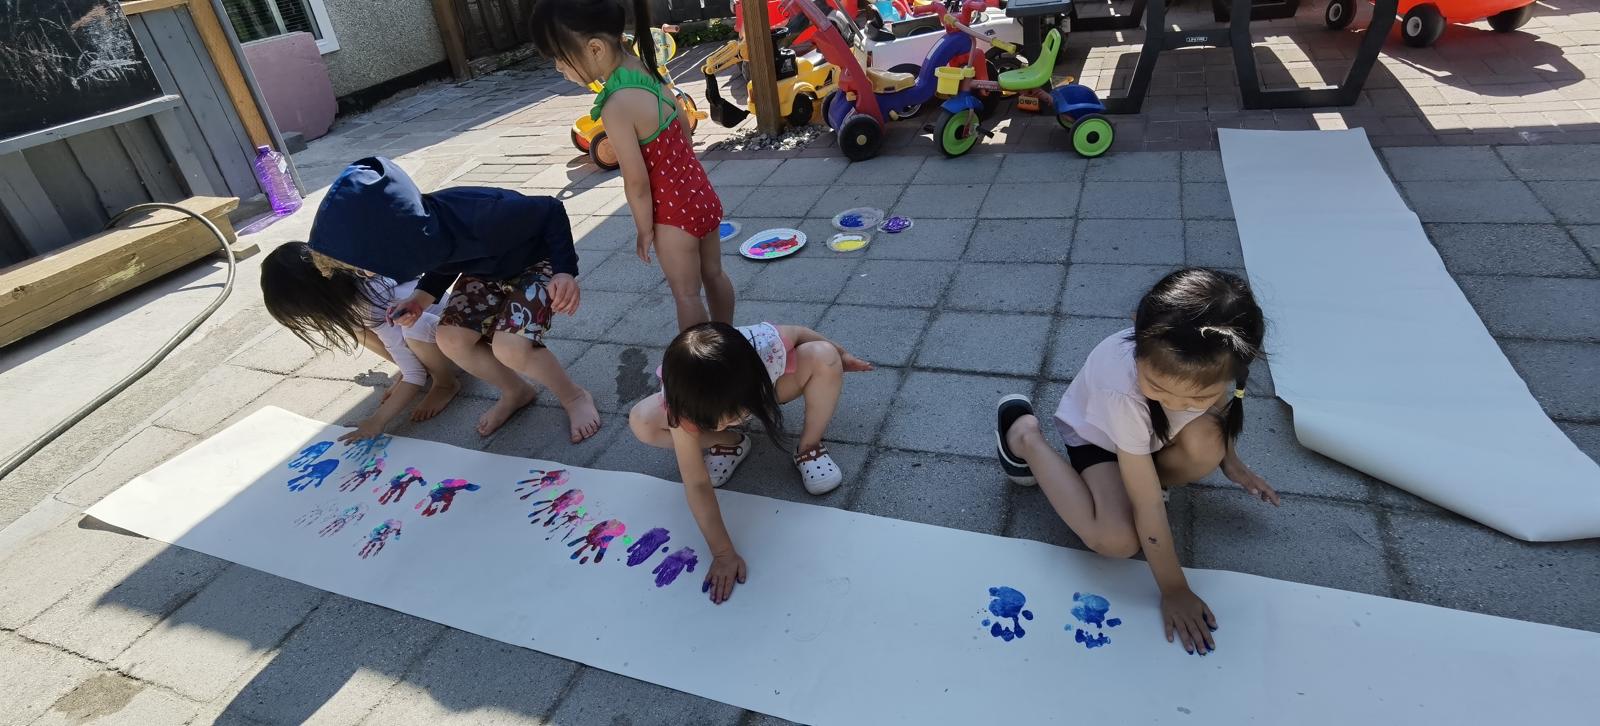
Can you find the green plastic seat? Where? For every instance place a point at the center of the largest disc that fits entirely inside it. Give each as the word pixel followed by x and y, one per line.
pixel 1037 74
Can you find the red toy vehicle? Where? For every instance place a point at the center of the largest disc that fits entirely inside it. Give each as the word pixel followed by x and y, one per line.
pixel 862 11
pixel 1423 21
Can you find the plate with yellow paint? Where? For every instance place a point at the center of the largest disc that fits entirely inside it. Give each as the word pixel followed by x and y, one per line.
pixel 849 242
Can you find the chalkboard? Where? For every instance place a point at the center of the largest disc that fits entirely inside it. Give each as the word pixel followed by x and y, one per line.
pixel 65 60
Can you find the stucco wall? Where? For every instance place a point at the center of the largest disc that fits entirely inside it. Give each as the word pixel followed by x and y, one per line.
pixel 380 40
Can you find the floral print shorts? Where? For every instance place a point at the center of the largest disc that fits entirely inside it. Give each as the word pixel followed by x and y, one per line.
pixel 520 305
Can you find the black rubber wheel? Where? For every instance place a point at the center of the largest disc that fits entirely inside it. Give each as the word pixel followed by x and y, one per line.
pixel 860 137
pixel 1422 26
pixel 1512 19
pixel 601 153
pixel 915 108
pixel 802 110
pixel 1338 14
pixel 577 142
pixel 827 108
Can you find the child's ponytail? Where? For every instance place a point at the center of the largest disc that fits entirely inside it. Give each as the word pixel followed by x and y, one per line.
pixel 645 41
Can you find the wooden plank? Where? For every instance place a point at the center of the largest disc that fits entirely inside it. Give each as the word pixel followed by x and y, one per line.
pixel 763 74
pixel 131 8
pixel 237 163
pixel 223 139
pixel 216 43
pixel 100 121
pixel 28 207
pixel 455 43
pixel 178 127
pixel 150 160
pixel 41 292
pixel 108 168
pixel 70 191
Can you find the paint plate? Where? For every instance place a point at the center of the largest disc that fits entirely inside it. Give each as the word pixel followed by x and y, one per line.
pixel 773 243
pixel 728 230
pixel 860 219
pixel 896 224
pixel 849 241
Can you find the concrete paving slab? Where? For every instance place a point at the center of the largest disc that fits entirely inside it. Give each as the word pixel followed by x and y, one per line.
pixel 986 343
pixel 884 336
pixel 815 171
pixel 930 239
pixel 542 432
pixel 779 202
pixel 598 310
pixel 653 323
pixel 900 283
pixel 597 696
pixel 1560 374
pixel 1303 540
pixel 1018 287
pixel 281 353
pixel 1553 163
pixel 36 676
pixel 946 491
pixel 1572 202
pixel 948 413
pixel 941 200
pixel 1021 240
pixel 881 170
pixel 1202 166
pixel 1154 166
pixel 1108 291
pixel 1131 200
pixel 1268 446
pixel 304 396
pixel 139 454
pixel 970 169
pixel 216 395
pixel 1031 201
pixel 1129 241
pixel 624 273
pixel 863 406
pixel 802 279
pixel 1032 517
pixel 1451 163
pixel 359 364
pixel 106 699
pixel 1076 338
pixel 624 452
pixel 770 472
pixel 1041 168
pixel 1475 201
pixel 468 679
pixel 1206 200
pixel 76 556
pixel 839 198
pixel 1588 237
pixel 1510 249
pixel 616 375
pixel 778 313
pixel 1536 307
pixel 1212 243
pixel 743 172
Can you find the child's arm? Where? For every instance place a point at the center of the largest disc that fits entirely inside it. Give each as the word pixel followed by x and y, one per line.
pixel 798 335
pixel 1184 612
pixel 618 117
pixel 1238 472
pixel 563 257
pixel 389 342
pixel 727 567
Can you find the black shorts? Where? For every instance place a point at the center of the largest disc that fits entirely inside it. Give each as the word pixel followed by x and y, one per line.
pixel 1083 457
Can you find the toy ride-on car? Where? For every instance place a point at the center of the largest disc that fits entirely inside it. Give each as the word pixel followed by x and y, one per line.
pixel 801 83
pixel 1423 21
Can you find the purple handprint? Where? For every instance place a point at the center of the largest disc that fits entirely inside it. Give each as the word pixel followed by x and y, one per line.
pixel 372 448
pixel 313 475
pixel 368 471
pixel 310 454
pixel 541 481
pixel 598 539
pixel 646 545
pixel 378 536
pixel 442 494
pixel 668 569
pixel 350 514
pixel 398 485
pixel 556 506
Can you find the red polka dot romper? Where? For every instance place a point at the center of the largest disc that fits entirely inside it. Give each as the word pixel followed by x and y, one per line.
pixel 680 192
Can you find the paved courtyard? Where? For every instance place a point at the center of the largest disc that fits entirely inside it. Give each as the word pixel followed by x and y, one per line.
pixel 1022 258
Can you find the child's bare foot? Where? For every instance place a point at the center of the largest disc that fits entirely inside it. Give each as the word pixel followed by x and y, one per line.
pixel 853 364
pixel 583 416
pixel 502 409
pixel 439 395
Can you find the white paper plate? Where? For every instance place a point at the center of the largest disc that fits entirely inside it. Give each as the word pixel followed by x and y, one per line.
pixel 728 230
pixel 860 219
pixel 773 243
pixel 847 242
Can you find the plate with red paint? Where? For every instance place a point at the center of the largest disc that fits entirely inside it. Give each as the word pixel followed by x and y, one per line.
pixel 773 243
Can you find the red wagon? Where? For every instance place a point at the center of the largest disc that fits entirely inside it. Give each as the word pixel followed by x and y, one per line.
pixel 1422 21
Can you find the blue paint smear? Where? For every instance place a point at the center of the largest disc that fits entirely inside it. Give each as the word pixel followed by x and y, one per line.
pixel 309 455
pixel 850 220
pixel 1007 603
pixel 1113 622
pixel 1090 609
pixel 1090 641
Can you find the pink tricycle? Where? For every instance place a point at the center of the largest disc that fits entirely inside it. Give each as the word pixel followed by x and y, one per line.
pixel 1423 21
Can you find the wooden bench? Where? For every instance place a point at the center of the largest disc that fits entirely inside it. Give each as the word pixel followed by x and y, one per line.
pixel 42 291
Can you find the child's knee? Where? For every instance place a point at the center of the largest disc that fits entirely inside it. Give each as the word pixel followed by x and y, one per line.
pixel 455 340
pixel 1121 545
pixel 647 419
pixel 511 350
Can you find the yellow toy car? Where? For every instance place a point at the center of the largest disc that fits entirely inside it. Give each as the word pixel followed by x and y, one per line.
pixel 589 135
pixel 801 85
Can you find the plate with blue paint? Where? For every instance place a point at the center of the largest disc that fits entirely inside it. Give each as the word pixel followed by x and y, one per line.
pixel 773 243
pixel 860 219
pixel 728 230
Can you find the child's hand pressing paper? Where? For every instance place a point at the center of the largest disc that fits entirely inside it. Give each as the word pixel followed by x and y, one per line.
pixel 405 313
pixel 725 571
pixel 564 294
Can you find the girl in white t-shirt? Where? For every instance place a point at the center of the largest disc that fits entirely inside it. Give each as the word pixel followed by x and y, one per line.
pixel 346 307
pixel 714 377
pixel 1155 406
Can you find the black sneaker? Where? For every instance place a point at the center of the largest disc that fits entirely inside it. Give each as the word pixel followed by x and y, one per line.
pixel 1007 412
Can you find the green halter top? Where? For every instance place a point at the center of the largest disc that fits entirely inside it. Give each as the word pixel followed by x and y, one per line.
pixel 625 77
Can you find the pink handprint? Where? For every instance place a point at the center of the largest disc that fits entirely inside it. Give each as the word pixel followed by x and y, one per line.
pixel 310 454
pixel 675 563
pixel 541 481
pixel 368 471
pixel 567 523
pixel 598 539
pixel 556 506
pixel 350 514
pixel 398 485
pixel 313 475
pixel 442 494
pixel 378 536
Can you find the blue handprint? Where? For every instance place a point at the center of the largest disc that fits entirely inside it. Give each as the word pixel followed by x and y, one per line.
pixel 1091 610
pixel 669 569
pixel 313 475
pixel 646 545
pixel 1006 603
pixel 371 448
pixel 310 454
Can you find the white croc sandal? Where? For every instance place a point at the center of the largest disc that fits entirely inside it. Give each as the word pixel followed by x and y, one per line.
pixel 721 461
pixel 818 471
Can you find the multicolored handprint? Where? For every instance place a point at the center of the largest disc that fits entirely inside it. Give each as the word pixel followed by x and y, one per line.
pixel 442 494
pixel 598 539
pixel 646 545
pixel 310 454
pixel 379 536
pixel 365 449
pixel 556 506
pixel 368 471
pixel 567 523
pixel 313 476
pixel 398 486
pixel 674 564
pixel 541 481
pixel 335 525
pixel 316 514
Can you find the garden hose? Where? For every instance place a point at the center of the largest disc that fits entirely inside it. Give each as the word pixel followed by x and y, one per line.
pixel 150 363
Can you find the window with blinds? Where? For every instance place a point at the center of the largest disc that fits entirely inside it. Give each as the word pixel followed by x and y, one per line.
pixel 257 19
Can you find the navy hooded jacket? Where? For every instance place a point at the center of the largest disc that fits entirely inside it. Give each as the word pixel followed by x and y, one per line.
pixel 375 218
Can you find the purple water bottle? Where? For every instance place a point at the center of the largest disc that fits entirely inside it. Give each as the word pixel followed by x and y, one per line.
pixel 272 170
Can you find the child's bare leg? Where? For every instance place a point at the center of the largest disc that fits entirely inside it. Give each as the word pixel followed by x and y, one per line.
pixel 648 419
pixel 461 345
pixel 1196 451
pixel 719 289
pixel 442 381
pixel 819 376
pixel 538 363
pixel 1094 505
pixel 679 255
pixel 372 342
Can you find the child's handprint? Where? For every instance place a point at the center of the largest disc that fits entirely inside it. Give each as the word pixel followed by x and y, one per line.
pixel 646 545
pixel 310 454
pixel 1006 603
pixel 567 523
pixel 541 481
pixel 378 536
pixel 368 471
pixel 313 475
pixel 314 515
pixel 350 514
pixel 363 449
pixel 668 569
pixel 1090 609
pixel 556 506
pixel 598 539
pixel 398 485
pixel 442 494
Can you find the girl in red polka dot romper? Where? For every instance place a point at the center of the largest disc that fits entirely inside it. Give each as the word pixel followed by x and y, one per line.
pixel 675 210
